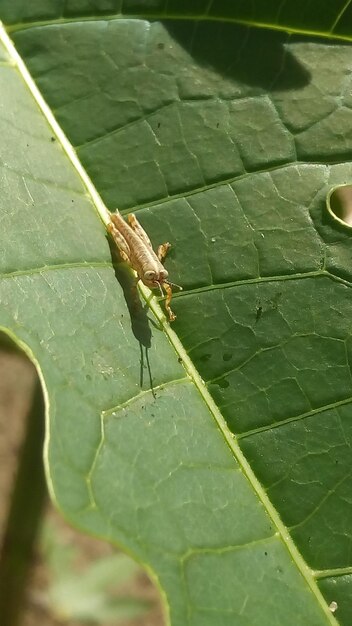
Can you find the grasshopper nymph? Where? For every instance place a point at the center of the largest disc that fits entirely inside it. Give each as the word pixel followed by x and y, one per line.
pixel 136 249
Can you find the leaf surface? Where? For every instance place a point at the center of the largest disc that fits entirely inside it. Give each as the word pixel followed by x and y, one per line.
pixel 226 139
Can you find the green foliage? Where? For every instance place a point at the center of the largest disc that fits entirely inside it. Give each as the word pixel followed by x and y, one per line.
pixel 226 138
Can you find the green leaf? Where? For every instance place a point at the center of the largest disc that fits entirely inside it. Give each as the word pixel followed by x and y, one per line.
pixel 227 139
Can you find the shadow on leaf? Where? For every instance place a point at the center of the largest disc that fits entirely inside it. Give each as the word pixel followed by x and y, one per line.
pixel 253 56
pixel 138 313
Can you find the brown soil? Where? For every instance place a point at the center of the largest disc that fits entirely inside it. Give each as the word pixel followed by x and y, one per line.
pixel 17 379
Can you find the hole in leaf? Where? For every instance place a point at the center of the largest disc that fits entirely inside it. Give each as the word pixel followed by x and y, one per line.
pixel 339 204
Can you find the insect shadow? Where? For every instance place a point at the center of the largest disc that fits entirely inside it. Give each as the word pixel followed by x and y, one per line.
pixel 140 322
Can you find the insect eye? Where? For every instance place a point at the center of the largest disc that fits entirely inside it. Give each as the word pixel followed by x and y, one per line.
pixel 149 275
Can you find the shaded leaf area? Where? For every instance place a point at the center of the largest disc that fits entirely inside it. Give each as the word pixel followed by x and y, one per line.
pixel 318 16
pixel 254 102
pixel 234 151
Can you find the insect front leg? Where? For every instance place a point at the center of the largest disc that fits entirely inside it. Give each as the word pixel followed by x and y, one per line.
pixel 168 290
pixel 163 249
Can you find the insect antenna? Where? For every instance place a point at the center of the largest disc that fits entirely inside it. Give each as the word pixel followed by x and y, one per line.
pixel 174 285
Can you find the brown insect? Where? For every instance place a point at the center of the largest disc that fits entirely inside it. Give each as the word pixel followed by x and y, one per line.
pixel 136 249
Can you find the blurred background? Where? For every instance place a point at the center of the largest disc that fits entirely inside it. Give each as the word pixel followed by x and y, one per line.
pixel 72 579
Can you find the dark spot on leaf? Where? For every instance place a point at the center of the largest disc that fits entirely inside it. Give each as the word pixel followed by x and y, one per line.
pixel 52 139
pixel 227 356
pixel 265 554
pixel 217 126
pixel 223 383
pixel 180 360
pixel 88 377
pixel 159 124
pixel 161 46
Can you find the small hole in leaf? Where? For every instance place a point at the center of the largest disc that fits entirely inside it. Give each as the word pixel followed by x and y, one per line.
pixel 339 204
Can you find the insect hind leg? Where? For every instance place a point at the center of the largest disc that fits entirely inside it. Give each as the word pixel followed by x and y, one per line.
pixel 138 229
pixel 120 241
